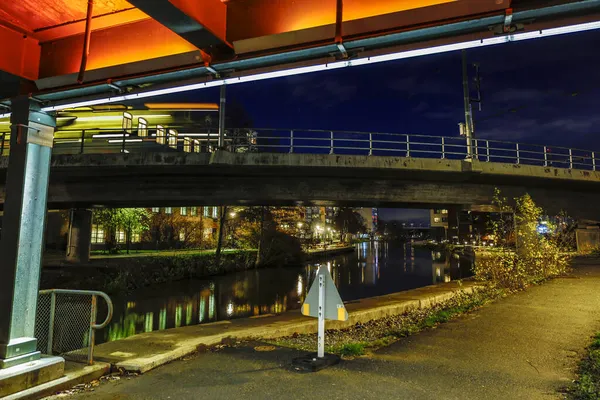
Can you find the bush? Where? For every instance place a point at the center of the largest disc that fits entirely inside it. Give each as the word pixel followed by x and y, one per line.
pixel 534 258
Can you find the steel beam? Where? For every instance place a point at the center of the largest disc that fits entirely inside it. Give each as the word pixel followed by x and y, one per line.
pixel 23 223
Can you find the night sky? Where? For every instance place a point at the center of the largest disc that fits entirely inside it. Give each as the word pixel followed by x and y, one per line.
pixel 544 91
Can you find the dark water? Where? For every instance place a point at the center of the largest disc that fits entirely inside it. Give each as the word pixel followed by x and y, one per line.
pixel 373 269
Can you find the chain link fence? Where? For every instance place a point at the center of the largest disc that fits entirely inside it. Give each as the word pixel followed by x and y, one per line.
pixel 66 322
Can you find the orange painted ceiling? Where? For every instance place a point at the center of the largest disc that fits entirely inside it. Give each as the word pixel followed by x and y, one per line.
pixel 32 15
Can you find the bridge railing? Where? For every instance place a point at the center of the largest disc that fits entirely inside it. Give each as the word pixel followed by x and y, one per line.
pixel 197 139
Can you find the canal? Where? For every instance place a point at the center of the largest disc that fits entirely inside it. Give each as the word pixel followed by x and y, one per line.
pixel 372 269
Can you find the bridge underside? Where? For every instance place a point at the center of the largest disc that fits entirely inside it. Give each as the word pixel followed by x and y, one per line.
pixel 175 179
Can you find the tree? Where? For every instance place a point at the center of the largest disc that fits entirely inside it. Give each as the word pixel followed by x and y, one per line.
pixel 348 221
pixel 131 220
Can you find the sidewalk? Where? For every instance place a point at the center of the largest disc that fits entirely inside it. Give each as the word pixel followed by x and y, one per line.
pixel 523 347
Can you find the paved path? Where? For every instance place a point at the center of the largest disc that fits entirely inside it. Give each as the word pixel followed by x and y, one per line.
pixel 523 347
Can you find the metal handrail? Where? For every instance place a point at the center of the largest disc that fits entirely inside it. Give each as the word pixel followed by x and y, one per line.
pixel 196 139
pixel 93 315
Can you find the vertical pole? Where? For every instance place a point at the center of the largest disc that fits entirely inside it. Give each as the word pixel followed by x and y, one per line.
pixel 443 147
pixel 82 141
pixel 476 145
pixel 518 154
pixel 331 144
pixel 2 145
pixel 407 146
pixel 123 146
pixel 291 141
pixel 467 105
pixel 570 159
pixel 321 343
pixel 545 156
pixel 92 333
pixel 50 343
pixel 593 161
pixel 487 149
pixel 23 227
pixel 223 97
pixel 370 144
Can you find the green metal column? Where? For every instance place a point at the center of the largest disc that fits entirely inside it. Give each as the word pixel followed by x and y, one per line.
pixel 21 245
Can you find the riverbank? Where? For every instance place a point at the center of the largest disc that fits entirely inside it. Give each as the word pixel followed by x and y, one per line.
pixel 525 346
pixel 146 351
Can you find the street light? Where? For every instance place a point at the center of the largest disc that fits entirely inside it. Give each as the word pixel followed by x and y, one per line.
pixel 300 224
pixel 232 214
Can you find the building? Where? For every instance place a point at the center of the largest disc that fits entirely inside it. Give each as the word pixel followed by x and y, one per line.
pixel 438 221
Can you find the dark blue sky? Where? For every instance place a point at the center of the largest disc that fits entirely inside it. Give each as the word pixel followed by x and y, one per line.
pixel 544 91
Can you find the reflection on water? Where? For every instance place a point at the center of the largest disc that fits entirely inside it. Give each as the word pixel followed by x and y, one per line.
pixel 373 269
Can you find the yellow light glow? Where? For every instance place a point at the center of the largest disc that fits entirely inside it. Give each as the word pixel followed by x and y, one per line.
pixel 183 106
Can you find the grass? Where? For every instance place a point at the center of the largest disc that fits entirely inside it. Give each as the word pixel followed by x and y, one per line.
pixel 351 349
pixel 587 386
pixel 164 253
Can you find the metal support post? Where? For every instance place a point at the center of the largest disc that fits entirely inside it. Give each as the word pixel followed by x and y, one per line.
pixel 291 141
pixel 2 145
pixel 487 149
pixel 321 333
pixel 407 146
pixel 124 138
pixel 51 324
pixel 570 159
pixel 223 97
pixel 467 105
pixel 593 161
pixel 80 236
pixel 23 223
pixel 92 333
pixel 518 154
pixel 82 141
pixel 331 144
pixel 370 144
pixel 545 156
pixel 443 147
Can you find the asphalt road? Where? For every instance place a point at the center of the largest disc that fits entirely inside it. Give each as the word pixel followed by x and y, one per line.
pixel 525 346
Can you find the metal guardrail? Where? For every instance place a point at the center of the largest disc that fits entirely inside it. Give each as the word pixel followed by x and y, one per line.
pixel 200 140
pixel 66 322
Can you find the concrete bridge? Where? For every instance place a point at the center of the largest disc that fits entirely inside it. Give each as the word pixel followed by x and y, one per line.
pixel 223 177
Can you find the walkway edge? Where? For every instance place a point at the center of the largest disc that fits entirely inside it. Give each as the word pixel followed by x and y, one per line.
pixel 188 340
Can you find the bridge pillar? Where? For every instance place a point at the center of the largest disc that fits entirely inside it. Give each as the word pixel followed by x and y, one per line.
pixel 80 236
pixel 453 223
pixel 21 246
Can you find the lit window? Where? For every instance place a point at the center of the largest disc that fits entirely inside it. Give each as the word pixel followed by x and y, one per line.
pixel 142 127
pixel 136 237
pixel 215 212
pixel 196 146
pixel 173 139
pixel 187 145
pixel 97 234
pixel 181 236
pixel 206 211
pixel 161 135
pixel 193 211
pixel 444 211
pixel 436 219
pixel 168 210
pixel 127 122
pixel 155 209
pixel 183 211
pixel 120 236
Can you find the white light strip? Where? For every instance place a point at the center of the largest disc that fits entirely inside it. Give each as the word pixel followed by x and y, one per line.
pixel 59 141
pixel 109 135
pixel 126 141
pixel 215 135
pixel 340 64
pixel 5 115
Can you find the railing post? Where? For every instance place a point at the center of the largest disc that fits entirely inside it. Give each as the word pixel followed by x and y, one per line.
pixel 370 144
pixel 545 156
pixel 593 161
pixel 50 343
pixel 407 146
pixel 123 146
pixel 476 149
pixel 487 150
pixel 2 145
pixel 570 159
pixel 82 141
pixel 291 141
pixel 443 147
pixel 92 333
pixel 518 154
pixel 331 148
